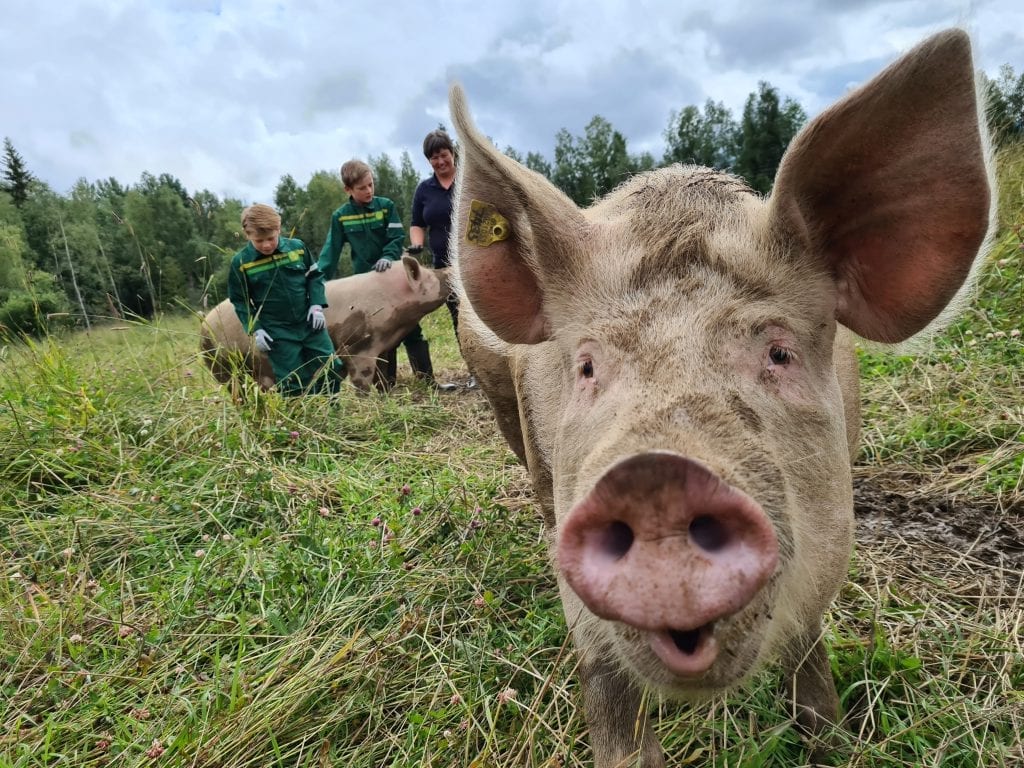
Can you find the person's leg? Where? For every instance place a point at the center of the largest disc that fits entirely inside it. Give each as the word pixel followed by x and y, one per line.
pixel 418 350
pixel 321 367
pixel 452 302
pixel 286 359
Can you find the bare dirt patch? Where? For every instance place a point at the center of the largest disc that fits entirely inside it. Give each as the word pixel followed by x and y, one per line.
pixel 891 508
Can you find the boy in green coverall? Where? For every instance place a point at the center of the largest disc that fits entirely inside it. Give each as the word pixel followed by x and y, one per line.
pixel 280 301
pixel 373 229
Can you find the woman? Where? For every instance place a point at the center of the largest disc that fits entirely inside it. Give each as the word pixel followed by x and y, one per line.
pixel 432 207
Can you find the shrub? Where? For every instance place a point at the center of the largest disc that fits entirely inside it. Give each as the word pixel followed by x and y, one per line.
pixel 30 312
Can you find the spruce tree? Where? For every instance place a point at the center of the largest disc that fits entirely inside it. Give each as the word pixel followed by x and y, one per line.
pixel 15 176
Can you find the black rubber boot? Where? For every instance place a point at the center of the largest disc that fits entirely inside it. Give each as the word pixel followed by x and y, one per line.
pixel 419 359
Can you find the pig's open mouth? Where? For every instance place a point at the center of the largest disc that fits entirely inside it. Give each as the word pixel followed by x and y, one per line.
pixel 688 641
pixel 686 653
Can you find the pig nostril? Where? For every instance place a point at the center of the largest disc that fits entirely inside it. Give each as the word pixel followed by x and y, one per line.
pixel 617 539
pixel 708 533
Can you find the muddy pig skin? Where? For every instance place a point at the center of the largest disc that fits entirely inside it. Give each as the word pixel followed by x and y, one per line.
pixel 367 315
pixel 674 365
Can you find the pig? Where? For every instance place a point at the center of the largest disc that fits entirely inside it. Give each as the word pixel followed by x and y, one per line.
pixel 675 367
pixel 367 315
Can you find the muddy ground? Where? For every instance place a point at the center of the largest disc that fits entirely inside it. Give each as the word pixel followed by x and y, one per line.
pixel 892 509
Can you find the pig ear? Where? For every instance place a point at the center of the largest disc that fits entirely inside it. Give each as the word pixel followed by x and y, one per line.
pixel 891 185
pixel 412 270
pixel 515 233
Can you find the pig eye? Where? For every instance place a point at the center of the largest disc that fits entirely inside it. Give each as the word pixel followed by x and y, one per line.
pixel 587 369
pixel 780 355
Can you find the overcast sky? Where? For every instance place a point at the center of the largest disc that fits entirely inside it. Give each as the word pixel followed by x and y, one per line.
pixel 232 95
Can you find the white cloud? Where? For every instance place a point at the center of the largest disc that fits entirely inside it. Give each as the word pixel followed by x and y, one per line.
pixel 232 95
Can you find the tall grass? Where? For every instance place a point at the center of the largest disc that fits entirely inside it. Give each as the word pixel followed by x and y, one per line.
pixel 363 581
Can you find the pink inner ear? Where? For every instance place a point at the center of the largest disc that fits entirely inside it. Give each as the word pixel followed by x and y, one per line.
pixel 900 260
pixel 505 294
pixel 891 189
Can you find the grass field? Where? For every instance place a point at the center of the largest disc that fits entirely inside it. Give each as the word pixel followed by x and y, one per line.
pixel 191 582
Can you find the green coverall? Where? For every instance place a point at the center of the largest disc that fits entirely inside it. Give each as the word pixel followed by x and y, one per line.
pixel 275 293
pixel 374 231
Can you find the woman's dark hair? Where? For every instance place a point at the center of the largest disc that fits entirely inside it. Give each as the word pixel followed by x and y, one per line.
pixel 435 142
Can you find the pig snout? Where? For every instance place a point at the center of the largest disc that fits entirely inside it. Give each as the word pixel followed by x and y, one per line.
pixel 664 545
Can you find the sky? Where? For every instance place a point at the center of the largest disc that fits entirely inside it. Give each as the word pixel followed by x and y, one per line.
pixel 231 95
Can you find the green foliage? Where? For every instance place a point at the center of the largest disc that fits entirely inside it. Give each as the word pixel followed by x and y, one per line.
pixel 591 165
pixel 12 266
pixel 1006 105
pixel 409 179
pixel 289 199
pixel 33 308
pixel 14 174
pixel 397 184
pixel 1010 176
pixel 767 127
pixel 386 182
pixel 712 139
pixel 306 214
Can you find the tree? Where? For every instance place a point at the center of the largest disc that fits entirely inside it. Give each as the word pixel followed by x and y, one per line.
pixel 569 172
pixel 590 166
pixel 12 267
pixel 27 295
pixel 604 149
pixel 324 194
pixel 1005 97
pixel 71 269
pixel 711 139
pixel 535 161
pixel 767 128
pixel 16 177
pixel 118 248
pixel 409 179
pixel 289 199
pixel 170 251
pixel 386 181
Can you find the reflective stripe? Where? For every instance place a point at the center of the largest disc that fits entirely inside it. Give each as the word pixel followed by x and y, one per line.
pixel 270 262
pixel 357 218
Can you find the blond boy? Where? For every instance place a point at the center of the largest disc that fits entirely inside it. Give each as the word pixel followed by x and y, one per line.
pixel 280 301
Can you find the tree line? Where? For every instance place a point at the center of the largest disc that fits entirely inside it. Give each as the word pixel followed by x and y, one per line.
pixel 105 250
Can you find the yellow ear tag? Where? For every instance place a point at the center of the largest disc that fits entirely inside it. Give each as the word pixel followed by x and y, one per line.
pixel 486 225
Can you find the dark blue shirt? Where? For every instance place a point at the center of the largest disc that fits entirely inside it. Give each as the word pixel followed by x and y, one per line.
pixel 432 211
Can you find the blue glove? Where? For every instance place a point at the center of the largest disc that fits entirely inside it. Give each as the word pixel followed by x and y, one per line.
pixel 315 317
pixel 262 340
pixel 381 265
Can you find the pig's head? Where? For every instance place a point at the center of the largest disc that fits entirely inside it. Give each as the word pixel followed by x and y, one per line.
pixel 683 393
pixel 410 291
pixel 418 286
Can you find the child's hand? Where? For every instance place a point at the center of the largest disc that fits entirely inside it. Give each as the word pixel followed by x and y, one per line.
pixel 382 265
pixel 315 317
pixel 262 340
